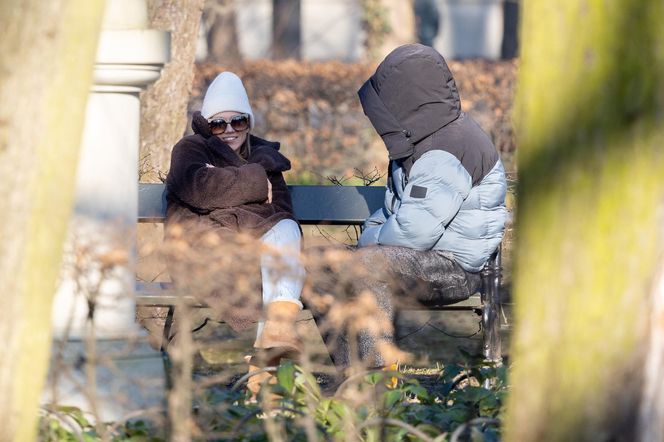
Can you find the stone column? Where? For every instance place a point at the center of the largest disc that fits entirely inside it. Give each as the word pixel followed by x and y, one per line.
pixel 94 305
pixel 470 29
pixel 129 58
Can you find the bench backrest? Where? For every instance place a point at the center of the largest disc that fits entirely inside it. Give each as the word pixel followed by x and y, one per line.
pixel 312 204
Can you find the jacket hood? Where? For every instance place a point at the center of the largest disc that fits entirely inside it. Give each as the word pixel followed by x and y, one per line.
pixel 411 95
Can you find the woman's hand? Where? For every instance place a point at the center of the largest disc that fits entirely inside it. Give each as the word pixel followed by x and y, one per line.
pixel 269 191
pixel 200 125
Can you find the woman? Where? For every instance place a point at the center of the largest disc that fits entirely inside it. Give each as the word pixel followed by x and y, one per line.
pixel 223 179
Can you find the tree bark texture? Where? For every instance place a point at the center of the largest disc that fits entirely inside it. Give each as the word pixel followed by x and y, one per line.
pixel 401 19
pixel 222 38
pixel 286 29
pixel 164 104
pixel 48 51
pixel 589 113
pixel 387 24
pixel 651 411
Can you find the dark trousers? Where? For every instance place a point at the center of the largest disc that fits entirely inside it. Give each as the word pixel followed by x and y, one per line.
pixel 394 277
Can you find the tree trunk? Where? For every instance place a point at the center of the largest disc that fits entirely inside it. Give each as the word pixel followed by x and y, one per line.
pixel 286 29
pixel 387 24
pixel 401 19
pixel 222 39
pixel 164 104
pixel 589 226
pixel 651 412
pixel 48 51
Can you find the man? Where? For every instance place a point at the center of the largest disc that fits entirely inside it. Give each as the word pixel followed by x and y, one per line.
pixel 444 212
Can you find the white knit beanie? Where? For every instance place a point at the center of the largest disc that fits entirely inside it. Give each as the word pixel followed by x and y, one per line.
pixel 226 93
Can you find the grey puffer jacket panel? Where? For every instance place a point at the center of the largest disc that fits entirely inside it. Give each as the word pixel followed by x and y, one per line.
pixel 446 189
pixel 450 215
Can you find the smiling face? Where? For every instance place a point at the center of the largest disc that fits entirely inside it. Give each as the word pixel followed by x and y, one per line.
pixel 235 139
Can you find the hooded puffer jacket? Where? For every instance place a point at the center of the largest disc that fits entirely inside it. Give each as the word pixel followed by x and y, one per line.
pixel 446 184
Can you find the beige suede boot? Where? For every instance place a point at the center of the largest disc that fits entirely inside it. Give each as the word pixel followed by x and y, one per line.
pixel 279 337
pixel 255 382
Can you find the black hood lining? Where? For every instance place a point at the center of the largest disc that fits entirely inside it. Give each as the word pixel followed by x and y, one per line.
pixel 396 138
pixel 411 95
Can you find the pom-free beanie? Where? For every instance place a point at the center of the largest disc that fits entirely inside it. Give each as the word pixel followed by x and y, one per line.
pixel 226 93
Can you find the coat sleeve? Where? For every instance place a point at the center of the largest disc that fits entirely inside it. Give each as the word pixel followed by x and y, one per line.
pixel 436 189
pixel 281 197
pixel 373 224
pixel 197 184
pixel 270 158
pixel 274 164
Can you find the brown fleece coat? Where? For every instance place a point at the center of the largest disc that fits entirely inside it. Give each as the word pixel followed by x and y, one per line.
pixel 211 186
pixel 211 190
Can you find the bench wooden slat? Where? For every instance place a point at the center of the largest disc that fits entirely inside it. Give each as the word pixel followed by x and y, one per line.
pixel 155 293
pixel 338 205
pixel 161 294
pixel 151 203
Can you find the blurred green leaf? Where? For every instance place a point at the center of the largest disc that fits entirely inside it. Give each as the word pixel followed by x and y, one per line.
pixel 392 397
pixel 374 378
pixel 489 406
pixel 450 372
pixel 418 391
pixel 286 376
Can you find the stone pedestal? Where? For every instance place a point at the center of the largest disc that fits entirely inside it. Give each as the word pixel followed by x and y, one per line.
pixel 330 29
pixel 470 29
pixel 95 301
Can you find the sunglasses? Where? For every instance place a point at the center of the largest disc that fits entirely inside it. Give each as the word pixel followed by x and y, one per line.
pixel 238 123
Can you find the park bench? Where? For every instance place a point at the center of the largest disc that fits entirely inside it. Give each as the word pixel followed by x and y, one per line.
pixel 333 205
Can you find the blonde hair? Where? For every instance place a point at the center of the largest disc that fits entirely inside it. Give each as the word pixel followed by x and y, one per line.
pixel 245 150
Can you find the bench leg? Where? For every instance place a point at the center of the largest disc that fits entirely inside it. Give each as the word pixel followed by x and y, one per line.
pixel 491 324
pixel 168 365
pixel 491 309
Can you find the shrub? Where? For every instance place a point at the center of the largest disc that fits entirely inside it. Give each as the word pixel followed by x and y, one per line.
pixel 465 403
pixel 312 108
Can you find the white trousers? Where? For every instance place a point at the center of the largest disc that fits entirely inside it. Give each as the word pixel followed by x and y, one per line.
pixel 282 271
